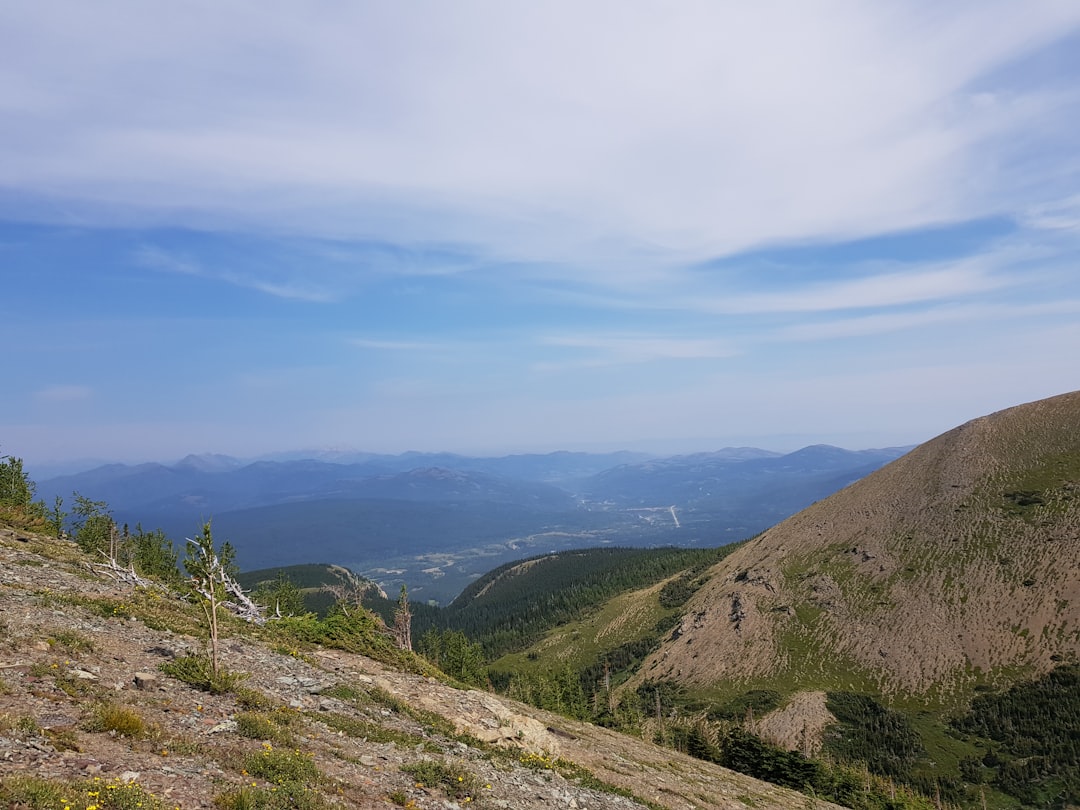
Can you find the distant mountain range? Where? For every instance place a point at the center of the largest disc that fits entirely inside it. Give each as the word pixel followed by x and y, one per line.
pixel 437 521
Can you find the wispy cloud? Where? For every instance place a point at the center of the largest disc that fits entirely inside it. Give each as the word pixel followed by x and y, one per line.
pixel 873 291
pixel 64 393
pixel 593 350
pixel 425 128
pixel 477 204
pixel 296 290
pixel 1055 215
pixel 883 323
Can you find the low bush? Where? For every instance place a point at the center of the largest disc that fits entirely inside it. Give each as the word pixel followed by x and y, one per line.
pixel 452 779
pixel 120 720
pixel 196 670
pixel 281 766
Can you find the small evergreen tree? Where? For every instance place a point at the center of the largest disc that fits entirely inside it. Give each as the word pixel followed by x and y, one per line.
pixel 207 574
pixel 57 515
pixel 94 527
pixel 153 555
pixel 17 504
pixel 16 488
pixel 453 653
pixel 281 597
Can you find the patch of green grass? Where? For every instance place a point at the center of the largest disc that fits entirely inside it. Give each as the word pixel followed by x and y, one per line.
pixel 37 793
pixel 278 797
pixel 264 726
pixel 375 696
pixel 39 669
pixel 281 766
pixel 32 792
pixel 76 687
pixel 289 797
pixel 626 618
pixel 119 720
pixel 63 739
pixel 343 691
pixel 28 725
pixel 360 632
pixel 365 729
pixel 196 670
pixel 449 777
pixel 252 700
pixel 70 642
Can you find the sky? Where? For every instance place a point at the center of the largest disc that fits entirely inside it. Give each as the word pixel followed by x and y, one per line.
pixel 488 227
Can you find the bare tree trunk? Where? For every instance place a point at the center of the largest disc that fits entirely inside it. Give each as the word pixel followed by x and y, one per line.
pixel 403 622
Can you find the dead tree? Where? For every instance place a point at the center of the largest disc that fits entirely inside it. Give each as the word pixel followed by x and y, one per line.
pixel 403 622
pixel 349 590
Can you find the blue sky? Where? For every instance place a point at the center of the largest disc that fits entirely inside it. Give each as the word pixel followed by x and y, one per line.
pixel 487 227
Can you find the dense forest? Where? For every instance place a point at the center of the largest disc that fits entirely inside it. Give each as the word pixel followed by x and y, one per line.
pixel 1032 739
pixel 512 606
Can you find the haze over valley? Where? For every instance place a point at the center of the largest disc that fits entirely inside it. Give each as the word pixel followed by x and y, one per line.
pixel 438 521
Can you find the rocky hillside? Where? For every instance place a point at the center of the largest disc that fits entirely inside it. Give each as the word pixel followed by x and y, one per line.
pixel 87 719
pixel 956 565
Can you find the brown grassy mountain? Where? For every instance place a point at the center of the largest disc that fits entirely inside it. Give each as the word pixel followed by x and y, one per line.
pixel 955 565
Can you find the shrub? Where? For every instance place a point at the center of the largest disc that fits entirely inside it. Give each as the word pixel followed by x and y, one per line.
pixel 452 779
pixel 262 726
pixel 358 631
pixel 119 720
pixel 70 642
pixel 281 766
pixel 198 671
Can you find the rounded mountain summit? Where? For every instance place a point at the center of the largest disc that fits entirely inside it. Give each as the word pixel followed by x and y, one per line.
pixel 955 566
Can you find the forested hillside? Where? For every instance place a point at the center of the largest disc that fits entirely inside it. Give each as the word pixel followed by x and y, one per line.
pixel 510 607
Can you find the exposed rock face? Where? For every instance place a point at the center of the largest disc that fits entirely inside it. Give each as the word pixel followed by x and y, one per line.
pixel 960 559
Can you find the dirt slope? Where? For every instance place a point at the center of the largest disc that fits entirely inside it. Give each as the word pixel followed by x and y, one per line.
pixel 72 643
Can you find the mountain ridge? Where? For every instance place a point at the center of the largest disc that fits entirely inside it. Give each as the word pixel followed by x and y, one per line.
pixel 481 513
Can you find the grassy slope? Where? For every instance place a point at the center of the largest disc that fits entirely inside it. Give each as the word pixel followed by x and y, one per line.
pixel 628 617
pixel 953 568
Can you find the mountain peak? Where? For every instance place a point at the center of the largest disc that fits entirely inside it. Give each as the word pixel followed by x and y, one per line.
pixel 208 462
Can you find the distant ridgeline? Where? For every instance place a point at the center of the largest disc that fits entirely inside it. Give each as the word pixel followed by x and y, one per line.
pixel 436 522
